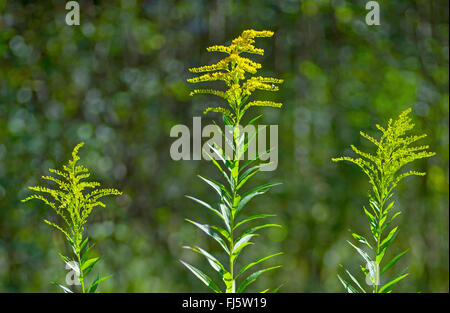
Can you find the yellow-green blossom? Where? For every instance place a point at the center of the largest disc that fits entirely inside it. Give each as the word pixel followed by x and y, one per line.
pixel 233 71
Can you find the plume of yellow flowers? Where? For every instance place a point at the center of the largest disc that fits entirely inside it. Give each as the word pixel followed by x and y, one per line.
pixel 70 200
pixel 232 71
pixel 393 152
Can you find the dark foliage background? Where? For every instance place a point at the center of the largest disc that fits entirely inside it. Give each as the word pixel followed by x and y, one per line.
pixel 117 82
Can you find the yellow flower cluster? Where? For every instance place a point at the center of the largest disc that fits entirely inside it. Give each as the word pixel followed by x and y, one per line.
pixel 69 200
pixel 393 152
pixel 262 104
pixel 232 70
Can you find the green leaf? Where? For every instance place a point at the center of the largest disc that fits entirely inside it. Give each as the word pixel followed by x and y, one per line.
pixel 390 221
pixel 94 285
pixel 206 205
pixel 256 228
pixel 253 120
pixel 84 243
pixel 227 139
pixel 354 279
pixel 389 207
pixel 64 288
pixel 89 262
pixel 251 194
pixel 250 138
pixel 393 261
pixel 222 231
pixel 388 239
pixel 385 244
pixel 208 230
pixel 248 174
pixel 373 223
pixel 388 287
pixel 242 240
pixel 203 277
pixel 85 253
pixel 218 187
pixel 361 239
pixel 90 266
pixel 228 178
pixel 253 277
pixel 257 157
pixel 65 259
pixel 236 254
pixel 349 288
pixel 73 265
pixel 248 266
pixel 365 256
pixel 215 264
pixel 276 289
pixel 374 206
pixel 226 214
pixel 251 218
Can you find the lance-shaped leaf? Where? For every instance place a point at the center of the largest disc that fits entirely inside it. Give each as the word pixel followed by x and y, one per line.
pixel 241 242
pixel 385 244
pixel 64 288
pixel 215 264
pixel 256 228
pixel 89 265
pixel 249 173
pixel 253 277
pixel 354 279
pixel 393 261
pixel 202 276
pixel 218 187
pixel 208 230
pixel 223 232
pixel 361 239
pixel 248 266
pixel 251 194
pixel 227 216
pixel 251 161
pixel 227 177
pixel 388 287
pixel 94 285
pixel 251 218
pixel 390 221
pixel 348 287
pixel 367 258
pixel 246 140
pixel 206 205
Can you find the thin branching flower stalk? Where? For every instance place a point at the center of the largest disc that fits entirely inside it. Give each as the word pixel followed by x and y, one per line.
pixel 394 151
pixel 73 204
pixel 232 236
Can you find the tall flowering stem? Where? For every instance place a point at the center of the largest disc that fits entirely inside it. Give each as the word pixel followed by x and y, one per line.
pixel 394 151
pixel 234 70
pixel 73 204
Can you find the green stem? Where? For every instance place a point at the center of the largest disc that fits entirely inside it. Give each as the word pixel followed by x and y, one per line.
pixel 81 277
pixel 235 177
pixel 380 204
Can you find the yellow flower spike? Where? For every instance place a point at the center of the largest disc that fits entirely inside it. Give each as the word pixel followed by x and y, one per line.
pixel 393 152
pixel 233 71
pixel 221 110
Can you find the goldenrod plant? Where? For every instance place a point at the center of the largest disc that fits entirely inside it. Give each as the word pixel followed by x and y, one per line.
pixel 73 204
pixel 394 151
pixel 233 237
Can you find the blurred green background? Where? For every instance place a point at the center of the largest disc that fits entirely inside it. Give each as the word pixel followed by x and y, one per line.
pixel 117 82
